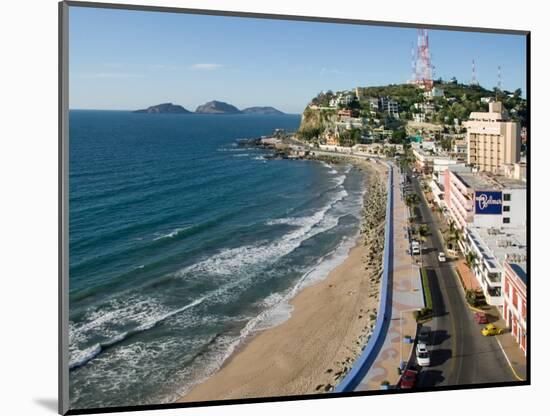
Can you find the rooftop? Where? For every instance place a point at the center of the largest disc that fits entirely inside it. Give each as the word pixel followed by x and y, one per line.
pixel 487 181
pixel 520 269
pixel 498 245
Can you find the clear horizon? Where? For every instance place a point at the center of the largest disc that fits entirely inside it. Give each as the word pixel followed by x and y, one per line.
pixel 129 60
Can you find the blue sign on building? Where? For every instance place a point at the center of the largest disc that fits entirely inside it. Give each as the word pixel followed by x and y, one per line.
pixel 488 202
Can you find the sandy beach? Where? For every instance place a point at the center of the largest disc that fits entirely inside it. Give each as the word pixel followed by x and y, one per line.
pixel 312 350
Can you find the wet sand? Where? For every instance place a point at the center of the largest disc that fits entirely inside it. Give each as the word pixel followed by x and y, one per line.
pixel 312 350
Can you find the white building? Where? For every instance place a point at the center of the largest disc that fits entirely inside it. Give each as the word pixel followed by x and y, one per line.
pixel 434 92
pixel 335 148
pixel 341 99
pixel 484 200
pixel 492 247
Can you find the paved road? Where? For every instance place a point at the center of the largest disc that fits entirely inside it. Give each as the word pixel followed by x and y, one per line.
pixel 459 353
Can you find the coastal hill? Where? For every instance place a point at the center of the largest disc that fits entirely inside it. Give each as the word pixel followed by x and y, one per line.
pixel 262 111
pixel 165 108
pixel 398 112
pixel 217 107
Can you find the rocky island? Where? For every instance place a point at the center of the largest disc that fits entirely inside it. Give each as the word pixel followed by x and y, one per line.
pixel 211 107
pixel 165 108
pixel 265 111
pixel 217 107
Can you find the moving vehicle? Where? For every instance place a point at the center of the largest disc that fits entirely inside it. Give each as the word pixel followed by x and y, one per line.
pixel 423 335
pixel 422 355
pixel 490 330
pixel 441 257
pixel 480 318
pixel 408 379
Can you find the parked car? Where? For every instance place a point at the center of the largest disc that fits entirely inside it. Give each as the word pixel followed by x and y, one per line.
pixel 408 379
pixel 415 247
pixel 423 335
pixel 480 318
pixel 422 355
pixel 441 257
pixel 490 330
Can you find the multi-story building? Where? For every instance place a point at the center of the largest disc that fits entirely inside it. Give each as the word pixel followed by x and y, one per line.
pixel 419 117
pixel 492 247
pixel 424 159
pixel 515 299
pixel 341 99
pixel 484 200
pixel 493 139
pixel 389 106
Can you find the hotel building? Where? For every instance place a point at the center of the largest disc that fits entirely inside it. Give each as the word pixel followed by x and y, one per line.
pixel 484 200
pixel 493 140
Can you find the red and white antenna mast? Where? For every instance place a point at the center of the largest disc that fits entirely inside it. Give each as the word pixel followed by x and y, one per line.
pixel 423 60
pixel 474 77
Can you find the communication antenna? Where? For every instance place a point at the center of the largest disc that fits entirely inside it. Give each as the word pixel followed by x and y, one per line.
pixel 499 82
pixel 423 60
pixel 474 76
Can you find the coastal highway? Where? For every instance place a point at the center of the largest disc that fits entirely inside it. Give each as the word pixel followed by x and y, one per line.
pixel 459 353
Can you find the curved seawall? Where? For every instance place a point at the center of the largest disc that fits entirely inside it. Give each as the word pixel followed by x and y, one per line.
pixel 369 354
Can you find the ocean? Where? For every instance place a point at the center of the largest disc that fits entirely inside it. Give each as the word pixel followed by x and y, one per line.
pixel 182 244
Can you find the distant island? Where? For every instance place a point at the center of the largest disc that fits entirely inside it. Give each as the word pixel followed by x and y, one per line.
pixel 211 107
pixel 262 111
pixel 165 108
pixel 217 107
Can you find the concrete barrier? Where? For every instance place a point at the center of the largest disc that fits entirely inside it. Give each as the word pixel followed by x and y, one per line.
pixel 364 362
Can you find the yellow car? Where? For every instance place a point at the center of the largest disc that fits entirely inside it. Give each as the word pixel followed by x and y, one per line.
pixel 491 330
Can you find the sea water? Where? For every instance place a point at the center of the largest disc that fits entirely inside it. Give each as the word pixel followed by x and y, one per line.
pixel 183 243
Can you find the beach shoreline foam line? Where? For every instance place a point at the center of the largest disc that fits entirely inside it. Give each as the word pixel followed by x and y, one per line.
pixel 316 346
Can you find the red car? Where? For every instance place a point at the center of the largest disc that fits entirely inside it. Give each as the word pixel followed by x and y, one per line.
pixel 480 318
pixel 408 379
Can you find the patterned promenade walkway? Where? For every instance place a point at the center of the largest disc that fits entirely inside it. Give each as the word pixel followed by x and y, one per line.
pixel 406 297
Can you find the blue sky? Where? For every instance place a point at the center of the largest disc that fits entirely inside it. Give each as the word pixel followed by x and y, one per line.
pixel 122 59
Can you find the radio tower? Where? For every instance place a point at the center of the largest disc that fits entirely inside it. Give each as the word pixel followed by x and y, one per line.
pixel 423 61
pixel 499 79
pixel 474 77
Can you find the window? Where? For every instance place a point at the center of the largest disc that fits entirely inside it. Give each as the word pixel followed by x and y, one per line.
pixel 506 220
pixel 507 197
pixel 506 208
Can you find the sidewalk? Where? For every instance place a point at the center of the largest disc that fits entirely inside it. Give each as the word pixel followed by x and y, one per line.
pixel 469 281
pixel 406 296
pixel 514 355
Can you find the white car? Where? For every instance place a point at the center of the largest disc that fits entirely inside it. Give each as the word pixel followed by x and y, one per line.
pixel 422 355
pixel 415 247
pixel 441 257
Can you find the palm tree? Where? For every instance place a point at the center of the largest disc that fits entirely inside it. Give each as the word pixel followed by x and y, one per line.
pixel 423 231
pixel 454 235
pixel 471 260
